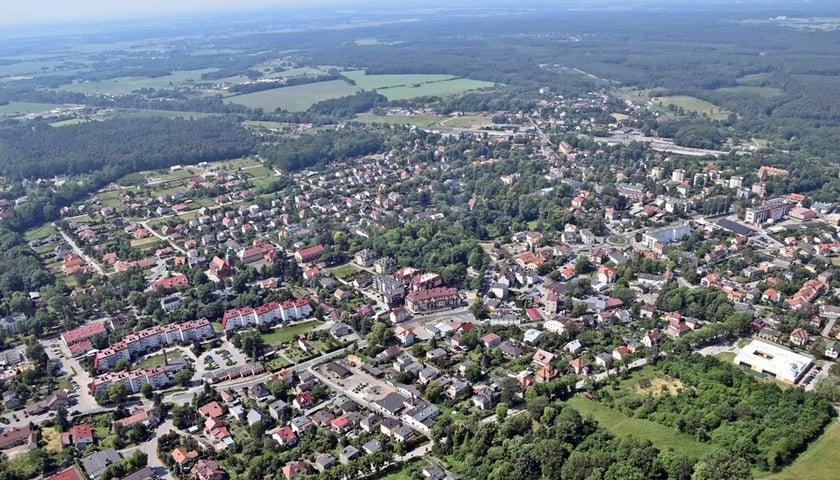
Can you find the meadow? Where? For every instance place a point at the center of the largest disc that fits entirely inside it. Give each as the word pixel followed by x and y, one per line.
pixel 124 85
pixel 21 107
pixel 295 99
pixel 400 87
pixel 818 461
pixel 287 334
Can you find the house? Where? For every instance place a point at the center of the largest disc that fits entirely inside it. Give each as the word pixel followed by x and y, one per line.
pixel 651 339
pixel 303 401
pixel 96 463
pixel 182 457
pixel 372 446
pixel 532 336
pixel 832 350
pixel 14 436
pixel 371 423
pixel 293 470
pixel 82 436
pixel 404 335
pixel 211 410
pixel 799 337
pixel 348 454
pixel 284 436
pixel 573 347
pixel 580 366
pixel 510 350
pixel 207 470
pixel 547 374
pixel 620 352
pixel 491 340
pixel 434 472
pixel 603 360
pixel 67 474
pixel 279 410
pixel 543 358
pixel 324 462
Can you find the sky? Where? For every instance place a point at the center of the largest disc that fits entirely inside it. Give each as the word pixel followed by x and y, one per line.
pixel 24 12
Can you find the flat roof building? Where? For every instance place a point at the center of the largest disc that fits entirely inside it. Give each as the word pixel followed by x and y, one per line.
pixel 774 361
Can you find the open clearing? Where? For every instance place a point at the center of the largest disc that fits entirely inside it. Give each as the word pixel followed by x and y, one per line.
pixel 124 85
pixel 658 385
pixel 21 107
pixel 621 425
pixel 819 461
pixel 766 92
pixel 415 120
pixel 344 271
pixel 295 99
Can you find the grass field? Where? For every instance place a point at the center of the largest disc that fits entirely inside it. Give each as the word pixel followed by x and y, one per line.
pixel 767 92
pixel 295 99
pixel 397 87
pixel 344 271
pixel 141 113
pixel 695 104
pixel 156 360
pixel 70 121
pixel 39 232
pixel 125 85
pixel 619 424
pixel 415 120
pixel 286 334
pixel 818 461
pixel 143 243
pixel 22 107
pixel 467 122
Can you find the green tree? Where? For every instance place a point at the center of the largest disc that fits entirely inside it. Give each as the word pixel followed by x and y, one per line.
pixel 722 464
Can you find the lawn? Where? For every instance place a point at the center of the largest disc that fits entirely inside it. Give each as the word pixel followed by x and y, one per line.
pixel 21 107
pixel 124 85
pixel 344 271
pixel 818 461
pixel 286 334
pixel 297 98
pixel 467 122
pixel 145 243
pixel 621 425
pixel 39 232
pixel 68 122
pixel 375 82
pixel 52 439
pixel 155 360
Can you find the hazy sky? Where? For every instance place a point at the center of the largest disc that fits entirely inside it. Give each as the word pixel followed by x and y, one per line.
pixel 21 12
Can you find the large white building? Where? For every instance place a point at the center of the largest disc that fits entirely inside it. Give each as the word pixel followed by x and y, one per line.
pixel 668 234
pixel 267 314
pixel 132 380
pixel 774 361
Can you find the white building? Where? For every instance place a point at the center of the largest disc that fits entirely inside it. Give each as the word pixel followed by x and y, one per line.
pixel 774 361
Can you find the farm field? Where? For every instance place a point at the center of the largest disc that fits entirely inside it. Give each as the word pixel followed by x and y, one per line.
pixel 21 107
pixel 297 98
pixel 125 85
pixel 375 82
pixel 619 424
pixel 286 334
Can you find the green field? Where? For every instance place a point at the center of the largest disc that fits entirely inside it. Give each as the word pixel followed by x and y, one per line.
pixel 344 271
pixel 21 107
pixel 39 232
pixel 70 121
pixel 297 98
pixel 286 334
pixel 415 120
pixel 124 85
pixel 695 104
pixel 397 87
pixel 619 424
pixel 156 360
pixel 818 461
pixel 766 92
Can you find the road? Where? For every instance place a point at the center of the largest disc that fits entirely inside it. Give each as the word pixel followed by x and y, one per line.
pixel 154 232
pixel 78 251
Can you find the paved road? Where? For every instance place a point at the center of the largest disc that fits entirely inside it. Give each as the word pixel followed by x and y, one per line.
pixel 154 232
pixel 78 251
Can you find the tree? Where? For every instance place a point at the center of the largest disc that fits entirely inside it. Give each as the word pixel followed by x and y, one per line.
pixel 473 373
pixel 115 393
pixel 183 376
pixel 722 464
pixel 380 335
pixel 510 390
pixel 252 343
pixel 501 412
pixel 147 390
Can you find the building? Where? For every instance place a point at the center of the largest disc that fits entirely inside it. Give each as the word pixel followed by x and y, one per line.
pixel 82 436
pixel 151 339
pixel 668 234
pixel 207 470
pixel 132 380
pixel 799 337
pixel 771 210
pixel 266 315
pixel 435 299
pixel 14 437
pixel 96 463
pixel 83 333
pixel 774 361
pixel 309 254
